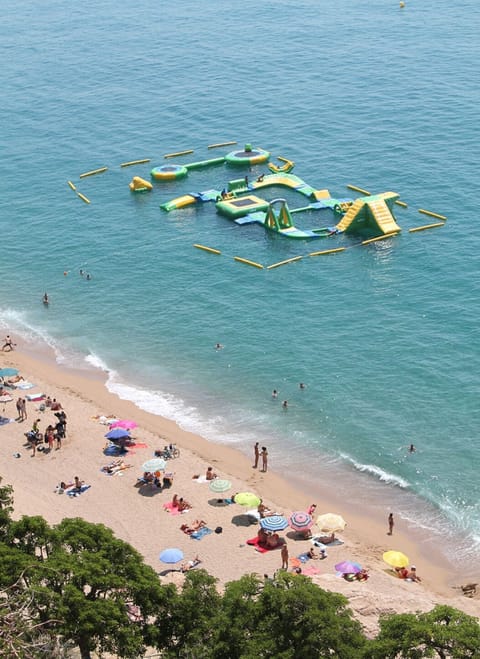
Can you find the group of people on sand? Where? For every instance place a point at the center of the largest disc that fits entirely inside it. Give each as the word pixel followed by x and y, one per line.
pixel 263 454
pixel 180 503
pixel 267 539
pixel 407 574
pixel 52 434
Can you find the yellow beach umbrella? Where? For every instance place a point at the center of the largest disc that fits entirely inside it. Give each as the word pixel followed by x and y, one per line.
pixel 395 559
pixel 331 522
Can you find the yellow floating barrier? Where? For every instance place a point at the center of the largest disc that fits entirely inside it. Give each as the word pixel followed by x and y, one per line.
pixel 214 146
pixel 440 217
pixel 328 251
pixel 134 162
pixel 375 240
pixel 94 171
pixel 208 249
pixel 71 185
pixel 178 153
pixel 248 262
pixel 83 197
pixel 354 187
pixel 401 203
pixel 426 226
pixel 277 265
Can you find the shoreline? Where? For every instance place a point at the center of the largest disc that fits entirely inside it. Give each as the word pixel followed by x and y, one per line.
pixel 84 395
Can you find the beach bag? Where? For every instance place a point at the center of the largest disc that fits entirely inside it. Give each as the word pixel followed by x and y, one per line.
pixel 218 529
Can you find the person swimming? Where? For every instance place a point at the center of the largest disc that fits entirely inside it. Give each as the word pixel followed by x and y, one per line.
pixel 45 298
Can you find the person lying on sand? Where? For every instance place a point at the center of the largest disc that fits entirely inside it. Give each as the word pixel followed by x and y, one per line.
pixel 263 511
pixel 188 565
pixel 326 539
pixel 194 526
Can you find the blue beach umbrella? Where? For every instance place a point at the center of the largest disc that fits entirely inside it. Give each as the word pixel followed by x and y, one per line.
pixel 8 372
pixel 117 433
pixel 172 555
pixel 274 523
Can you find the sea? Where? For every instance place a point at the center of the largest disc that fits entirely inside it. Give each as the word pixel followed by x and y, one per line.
pixel 384 336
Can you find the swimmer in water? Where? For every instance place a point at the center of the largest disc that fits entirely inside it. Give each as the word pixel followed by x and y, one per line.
pixel 45 299
pixel 274 393
pixel 412 448
pixel 218 346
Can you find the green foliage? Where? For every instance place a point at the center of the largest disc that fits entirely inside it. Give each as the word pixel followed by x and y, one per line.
pixel 443 632
pixel 193 618
pixel 6 506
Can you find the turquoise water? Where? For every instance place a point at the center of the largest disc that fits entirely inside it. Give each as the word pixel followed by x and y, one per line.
pixel 384 336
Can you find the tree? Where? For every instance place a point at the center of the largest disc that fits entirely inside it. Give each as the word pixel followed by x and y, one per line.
pixel 443 632
pixel 191 627
pixel 6 506
pixel 87 582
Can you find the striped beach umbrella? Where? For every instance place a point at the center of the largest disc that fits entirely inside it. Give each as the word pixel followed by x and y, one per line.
pixel 219 485
pixel 274 523
pixel 300 521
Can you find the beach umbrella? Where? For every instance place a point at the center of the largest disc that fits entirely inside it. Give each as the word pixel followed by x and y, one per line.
pixel 300 521
pixel 8 372
pixel 126 424
pixel 247 499
pixel 395 559
pixel 330 522
pixel 219 485
pixel 155 464
pixel 348 567
pixel 117 433
pixel 273 522
pixel 172 555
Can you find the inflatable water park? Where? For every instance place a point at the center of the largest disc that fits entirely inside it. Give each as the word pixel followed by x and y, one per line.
pixel 247 199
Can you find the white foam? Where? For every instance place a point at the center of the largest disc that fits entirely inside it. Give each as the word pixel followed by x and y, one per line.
pixel 378 472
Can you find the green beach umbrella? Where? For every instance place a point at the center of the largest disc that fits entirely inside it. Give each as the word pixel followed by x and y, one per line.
pixel 219 485
pixel 247 499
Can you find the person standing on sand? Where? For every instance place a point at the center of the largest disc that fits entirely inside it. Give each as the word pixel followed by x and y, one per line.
pixel 284 557
pixel 256 452
pixel 264 455
pixel 19 409
pixel 8 343
pixel 390 524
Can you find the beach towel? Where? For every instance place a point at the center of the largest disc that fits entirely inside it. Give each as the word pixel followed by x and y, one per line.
pixel 310 570
pixel 303 558
pixel 203 531
pixel 262 550
pixel 317 543
pixel 24 385
pixel 173 510
pixel 201 479
pixel 35 396
pixel 75 493
pixel 4 420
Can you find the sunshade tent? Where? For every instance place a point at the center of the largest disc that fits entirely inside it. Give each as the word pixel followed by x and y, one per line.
pixel 274 523
pixel 171 555
pixel 117 433
pixel 395 558
pixel 331 522
pixel 247 499
pixel 155 464
pixel 300 521
pixel 219 485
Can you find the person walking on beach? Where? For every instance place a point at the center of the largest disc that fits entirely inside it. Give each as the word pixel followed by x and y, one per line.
pixel 256 452
pixel 284 557
pixel 264 455
pixel 8 343
pixel 24 409
pixel 390 524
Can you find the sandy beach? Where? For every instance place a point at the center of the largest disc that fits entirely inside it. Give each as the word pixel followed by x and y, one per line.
pixel 137 515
